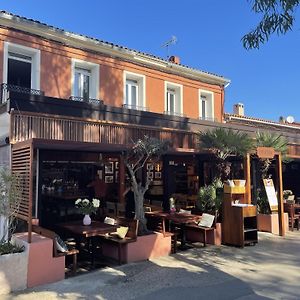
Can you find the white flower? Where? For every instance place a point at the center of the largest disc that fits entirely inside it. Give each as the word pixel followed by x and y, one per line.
pixel 96 203
pixel 77 201
pixel 85 201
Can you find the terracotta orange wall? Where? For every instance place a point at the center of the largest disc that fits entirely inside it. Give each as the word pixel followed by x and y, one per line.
pixel 56 76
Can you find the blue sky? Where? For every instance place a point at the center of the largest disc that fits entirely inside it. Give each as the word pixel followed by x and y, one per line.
pixel 209 36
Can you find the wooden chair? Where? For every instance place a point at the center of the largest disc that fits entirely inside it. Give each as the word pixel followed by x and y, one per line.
pixel 111 210
pixel 120 209
pixel 294 218
pixel 52 235
pixel 158 224
pixel 130 237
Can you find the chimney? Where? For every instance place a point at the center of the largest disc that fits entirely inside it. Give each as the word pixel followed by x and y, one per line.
pixel 238 109
pixel 174 59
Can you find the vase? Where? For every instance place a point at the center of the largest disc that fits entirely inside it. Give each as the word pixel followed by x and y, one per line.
pixel 87 220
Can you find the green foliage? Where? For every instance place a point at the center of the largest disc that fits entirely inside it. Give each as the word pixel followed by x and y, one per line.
pixel 278 16
pixel 225 142
pixel 210 197
pixel 268 139
pixel 9 202
pixel 8 247
pixel 263 205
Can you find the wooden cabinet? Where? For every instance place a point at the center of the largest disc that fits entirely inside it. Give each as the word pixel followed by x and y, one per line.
pixel 239 226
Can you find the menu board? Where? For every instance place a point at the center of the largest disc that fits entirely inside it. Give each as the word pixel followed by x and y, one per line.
pixel 271 194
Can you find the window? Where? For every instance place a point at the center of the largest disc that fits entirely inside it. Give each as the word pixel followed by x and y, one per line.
pixel 85 80
pixel 206 105
pixel 173 99
pixel 134 91
pixel 132 96
pixel 82 83
pixel 21 66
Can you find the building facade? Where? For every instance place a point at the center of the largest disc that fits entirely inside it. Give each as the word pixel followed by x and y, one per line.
pixel 71 105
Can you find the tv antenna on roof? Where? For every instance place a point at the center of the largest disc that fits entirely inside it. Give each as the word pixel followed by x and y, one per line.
pixel 168 43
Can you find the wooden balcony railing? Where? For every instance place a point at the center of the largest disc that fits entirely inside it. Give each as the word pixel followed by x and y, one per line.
pixel 25 126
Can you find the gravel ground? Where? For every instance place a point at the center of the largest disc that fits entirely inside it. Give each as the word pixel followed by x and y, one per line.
pixel 269 270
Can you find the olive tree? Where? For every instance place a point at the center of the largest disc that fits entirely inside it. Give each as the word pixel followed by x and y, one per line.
pixel 278 16
pixel 143 150
pixel 9 204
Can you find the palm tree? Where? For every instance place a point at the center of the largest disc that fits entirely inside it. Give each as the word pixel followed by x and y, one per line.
pixel 277 142
pixel 223 142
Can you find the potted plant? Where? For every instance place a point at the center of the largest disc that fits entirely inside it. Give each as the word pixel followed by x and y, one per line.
pixel 87 207
pixel 266 221
pixel 209 201
pixel 288 196
pixel 13 257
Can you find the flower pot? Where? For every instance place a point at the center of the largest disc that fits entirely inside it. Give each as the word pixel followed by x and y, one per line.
pixel 87 220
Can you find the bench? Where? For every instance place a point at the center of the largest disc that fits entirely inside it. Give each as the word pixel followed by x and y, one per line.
pixel 130 237
pixel 52 235
pixel 201 229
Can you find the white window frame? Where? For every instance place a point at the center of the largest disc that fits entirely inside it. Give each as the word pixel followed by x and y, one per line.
pixel 141 93
pixel 210 98
pixel 94 82
pixel 178 88
pixel 35 55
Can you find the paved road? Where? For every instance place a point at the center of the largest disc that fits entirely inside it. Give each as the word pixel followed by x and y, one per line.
pixel 269 270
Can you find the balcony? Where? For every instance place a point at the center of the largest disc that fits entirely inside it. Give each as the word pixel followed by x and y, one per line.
pixel 7 88
pixel 89 100
pixel 173 113
pixel 135 107
pixel 27 125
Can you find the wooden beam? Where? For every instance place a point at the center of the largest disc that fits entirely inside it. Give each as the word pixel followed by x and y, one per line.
pixel 280 195
pixel 247 176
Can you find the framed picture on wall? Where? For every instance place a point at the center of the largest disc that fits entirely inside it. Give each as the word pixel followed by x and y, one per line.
pixel 157 175
pixel 149 167
pixel 117 176
pixel 109 167
pixel 117 165
pixel 150 175
pixel 109 179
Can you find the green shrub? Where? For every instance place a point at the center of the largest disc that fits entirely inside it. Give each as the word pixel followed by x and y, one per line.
pixel 8 247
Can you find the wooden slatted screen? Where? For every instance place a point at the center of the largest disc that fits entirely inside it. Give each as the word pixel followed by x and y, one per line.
pixel 21 165
pixel 26 126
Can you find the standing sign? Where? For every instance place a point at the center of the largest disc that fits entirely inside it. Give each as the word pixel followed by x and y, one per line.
pixel 271 194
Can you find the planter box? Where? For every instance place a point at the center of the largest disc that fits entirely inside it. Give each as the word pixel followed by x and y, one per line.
pixel 213 237
pixel 269 223
pixel 146 247
pixel 13 270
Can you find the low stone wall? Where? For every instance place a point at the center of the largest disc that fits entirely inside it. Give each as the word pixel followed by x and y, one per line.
pixel 14 270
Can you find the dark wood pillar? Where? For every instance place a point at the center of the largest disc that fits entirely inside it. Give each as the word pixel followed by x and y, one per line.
pixel 247 176
pixel 122 172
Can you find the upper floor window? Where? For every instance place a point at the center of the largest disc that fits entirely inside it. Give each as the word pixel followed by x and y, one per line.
pixel 82 83
pixel 21 66
pixel 173 99
pixel 206 105
pixel 85 80
pixel 134 91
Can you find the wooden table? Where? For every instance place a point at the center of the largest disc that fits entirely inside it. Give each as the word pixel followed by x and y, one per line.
pixel 88 231
pixel 181 219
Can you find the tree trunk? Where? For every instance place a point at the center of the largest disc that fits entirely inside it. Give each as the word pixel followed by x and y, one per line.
pixel 139 212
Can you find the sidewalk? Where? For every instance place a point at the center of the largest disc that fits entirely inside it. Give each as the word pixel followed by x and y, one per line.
pixel 269 270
